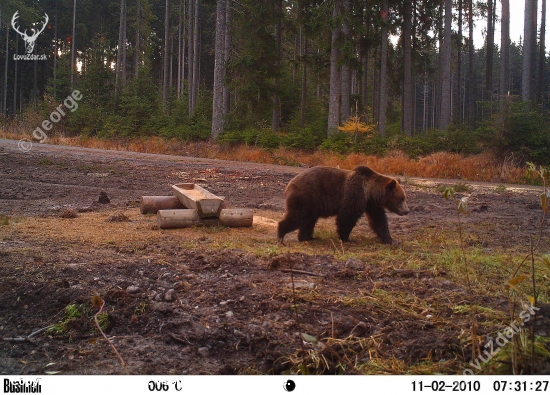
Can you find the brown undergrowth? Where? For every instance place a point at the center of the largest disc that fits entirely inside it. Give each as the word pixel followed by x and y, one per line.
pixel 482 167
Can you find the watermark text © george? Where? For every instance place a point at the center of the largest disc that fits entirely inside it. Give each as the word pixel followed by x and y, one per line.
pixel 69 104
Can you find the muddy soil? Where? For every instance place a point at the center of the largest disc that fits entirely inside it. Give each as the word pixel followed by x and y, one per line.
pixel 175 307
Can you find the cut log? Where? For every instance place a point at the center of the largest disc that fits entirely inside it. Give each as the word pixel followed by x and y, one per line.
pixel 167 219
pixel 232 218
pixel 193 196
pixel 152 204
pixel 236 217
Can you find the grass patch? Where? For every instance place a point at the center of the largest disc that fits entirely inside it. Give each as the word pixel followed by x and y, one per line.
pixel 4 220
pixel 459 187
pixel 79 318
pixel 72 311
pixel 45 162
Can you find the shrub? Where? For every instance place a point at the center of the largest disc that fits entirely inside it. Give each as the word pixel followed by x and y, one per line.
pixel 341 143
pixel 304 138
pixel 264 138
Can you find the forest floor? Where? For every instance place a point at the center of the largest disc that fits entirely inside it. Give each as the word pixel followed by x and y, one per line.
pixel 224 300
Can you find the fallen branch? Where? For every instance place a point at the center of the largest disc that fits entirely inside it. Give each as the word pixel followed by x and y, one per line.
pixel 22 339
pixel 39 331
pixel 18 340
pixel 179 340
pixel 295 271
pixel 106 338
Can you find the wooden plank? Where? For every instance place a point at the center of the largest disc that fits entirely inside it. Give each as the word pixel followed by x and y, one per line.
pixel 193 196
pixel 152 204
pixel 236 217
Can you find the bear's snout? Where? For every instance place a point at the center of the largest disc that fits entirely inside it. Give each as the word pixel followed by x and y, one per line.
pixel 403 209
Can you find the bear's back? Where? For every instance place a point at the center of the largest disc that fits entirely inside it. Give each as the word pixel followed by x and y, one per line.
pixel 318 190
pixel 323 180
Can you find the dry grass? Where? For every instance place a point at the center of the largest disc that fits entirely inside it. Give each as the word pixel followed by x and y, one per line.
pixel 482 167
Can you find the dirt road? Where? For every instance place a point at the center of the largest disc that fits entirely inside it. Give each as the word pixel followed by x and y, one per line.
pixel 221 301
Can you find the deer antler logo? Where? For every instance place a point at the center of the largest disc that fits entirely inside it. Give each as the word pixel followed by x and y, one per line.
pixel 29 40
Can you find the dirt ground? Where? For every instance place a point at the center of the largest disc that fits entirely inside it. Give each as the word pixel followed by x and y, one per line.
pixel 223 301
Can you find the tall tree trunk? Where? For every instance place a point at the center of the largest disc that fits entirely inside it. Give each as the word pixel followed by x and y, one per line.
pixel 440 30
pixel 445 117
pixel 35 79
pixel 490 50
pixel 183 48
pixel 365 62
pixel 425 102
pixel 190 53
pixel 534 52
pixel 180 49
pixel 528 49
pixel 166 54
pixel 345 81
pixel 365 80
pixel 196 57
pixel 15 77
pixel 6 54
pixel 542 54
pixel 408 87
pixel 470 79
pixel 120 57
pixel 227 53
pixel 5 95
pixel 458 116
pixel 382 101
pixel 73 50
pixel 124 47
pixel 334 94
pixel 303 54
pixel 138 39
pixel 171 57
pixel 505 49
pixel 219 70
pixel 55 53
pixel 276 121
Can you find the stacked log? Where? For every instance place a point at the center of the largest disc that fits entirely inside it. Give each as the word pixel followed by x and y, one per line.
pixel 229 217
pixel 152 204
pixel 193 206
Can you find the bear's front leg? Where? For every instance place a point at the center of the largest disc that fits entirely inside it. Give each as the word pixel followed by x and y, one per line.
pixel 378 222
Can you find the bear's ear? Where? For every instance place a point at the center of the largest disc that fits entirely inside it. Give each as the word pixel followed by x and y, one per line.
pixel 391 185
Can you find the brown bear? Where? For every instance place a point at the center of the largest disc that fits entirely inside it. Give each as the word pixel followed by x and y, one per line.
pixel 327 191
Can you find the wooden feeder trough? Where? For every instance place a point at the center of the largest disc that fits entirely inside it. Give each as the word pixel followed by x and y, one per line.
pixel 194 197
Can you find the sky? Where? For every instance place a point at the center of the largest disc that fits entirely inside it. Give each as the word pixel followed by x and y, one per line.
pixel 516 24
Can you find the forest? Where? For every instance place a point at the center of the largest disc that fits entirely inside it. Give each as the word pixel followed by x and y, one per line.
pixel 343 75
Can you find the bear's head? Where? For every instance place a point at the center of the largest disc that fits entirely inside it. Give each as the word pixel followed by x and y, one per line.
pixel 383 191
pixel 395 199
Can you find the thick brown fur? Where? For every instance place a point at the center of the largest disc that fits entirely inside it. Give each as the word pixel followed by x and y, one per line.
pixel 347 194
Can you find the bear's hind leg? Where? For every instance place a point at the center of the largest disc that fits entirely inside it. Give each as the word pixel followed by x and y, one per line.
pixel 345 222
pixel 306 230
